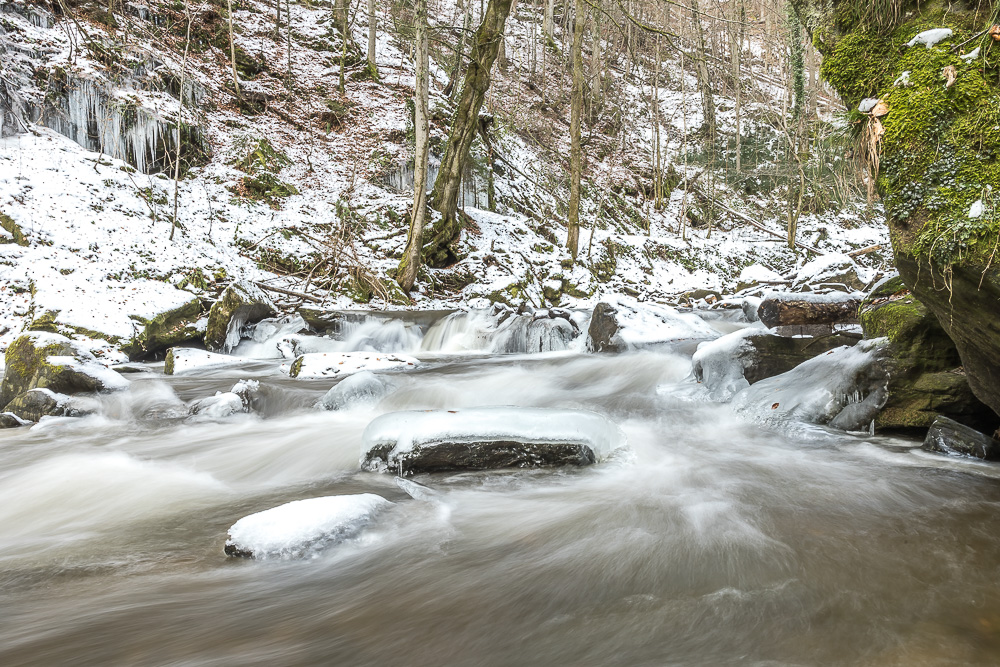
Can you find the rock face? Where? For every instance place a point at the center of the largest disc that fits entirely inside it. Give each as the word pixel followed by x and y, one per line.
pixel 623 323
pixel 241 303
pixel 485 439
pixel 927 379
pixel 302 527
pixel 742 358
pixel 950 437
pixel 54 362
pixel 936 148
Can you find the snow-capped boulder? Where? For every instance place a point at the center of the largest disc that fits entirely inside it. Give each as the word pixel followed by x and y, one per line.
pixel 739 359
pixel 486 438
pixel 46 360
pixel 622 323
pixel 183 360
pixel 10 420
pixel 835 271
pixel 361 388
pixel 34 404
pixel 302 527
pixel 330 364
pixel 223 404
pixel 844 388
pixel 167 329
pixel 241 303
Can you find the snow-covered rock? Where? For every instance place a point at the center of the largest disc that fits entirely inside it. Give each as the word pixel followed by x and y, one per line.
pixel 930 37
pixel 326 365
pixel 241 304
pixel 834 270
pixel 757 273
pixel 10 420
pixel 223 404
pixel 361 388
pixel 486 438
pixel 622 323
pixel 184 360
pixel 302 527
pixel 843 388
pixel 47 360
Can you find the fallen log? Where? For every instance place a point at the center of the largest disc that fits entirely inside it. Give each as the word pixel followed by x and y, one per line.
pixel 800 309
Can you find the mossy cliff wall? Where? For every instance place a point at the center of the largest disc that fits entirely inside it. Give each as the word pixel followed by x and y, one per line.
pixel 939 157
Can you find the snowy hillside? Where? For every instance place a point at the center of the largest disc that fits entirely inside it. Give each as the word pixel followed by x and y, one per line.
pixel 306 191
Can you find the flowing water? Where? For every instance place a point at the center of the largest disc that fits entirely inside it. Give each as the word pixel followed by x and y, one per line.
pixel 713 539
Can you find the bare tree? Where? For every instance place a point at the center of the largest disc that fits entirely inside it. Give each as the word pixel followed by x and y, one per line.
pixel 406 274
pixel 576 112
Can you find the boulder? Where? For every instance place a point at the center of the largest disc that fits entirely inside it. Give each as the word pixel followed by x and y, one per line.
pixel 843 388
pixel 782 309
pixel 51 361
pixel 331 364
pixel 241 303
pixel 485 439
pixel 949 437
pixel 834 271
pixel 167 329
pixel 927 377
pixel 739 359
pixel 303 527
pixel 34 404
pixel 10 420
pixel 622 323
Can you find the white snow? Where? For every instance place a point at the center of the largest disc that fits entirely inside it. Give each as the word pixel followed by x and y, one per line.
pixel 644 324
pixel 976 210
pixel 830 267
pixel 971 55
pixel 903 79
pixel 361 388
pixel 930 37
pixel 757 273
pixel 189 359
pixel 223 404
pixel 324 365
pixel 868 104
pixel 408 429
pixel 303 526
pixel 719 364
pixel 92 368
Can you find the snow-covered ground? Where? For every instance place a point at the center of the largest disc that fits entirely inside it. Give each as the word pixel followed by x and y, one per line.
pixel 100 258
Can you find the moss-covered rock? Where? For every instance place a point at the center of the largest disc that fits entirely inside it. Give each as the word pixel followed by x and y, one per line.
pixel 7 223
pixel 34 404
pixel 927 378
pixel 10 420
pixel 172 327
pixel 938 161
pixel 241 303
pixel 50 361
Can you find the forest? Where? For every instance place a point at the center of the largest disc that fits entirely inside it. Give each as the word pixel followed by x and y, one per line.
pixel 500 332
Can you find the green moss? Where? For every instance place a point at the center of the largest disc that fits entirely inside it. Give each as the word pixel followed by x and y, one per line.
pixel 7 223
pixel 859 66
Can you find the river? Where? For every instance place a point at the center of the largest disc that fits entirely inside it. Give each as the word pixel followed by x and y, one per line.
pixel 712 539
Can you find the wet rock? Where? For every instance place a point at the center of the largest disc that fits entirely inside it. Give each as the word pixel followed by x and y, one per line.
pixel 949 437
pixel 241 303
pixel 331 364
pixel 750 305
pixel 168 329
pixel 46 360
pixel 927 377
pixel 303 527
pixel 623 323
pixel 10 420
pixel 781 309
pixel 742 358
pixel 485 439
pixel 34 404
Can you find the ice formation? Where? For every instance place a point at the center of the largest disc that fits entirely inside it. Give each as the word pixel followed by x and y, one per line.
pixel 302 527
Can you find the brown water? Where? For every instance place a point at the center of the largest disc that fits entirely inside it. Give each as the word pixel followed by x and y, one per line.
pixel 710 541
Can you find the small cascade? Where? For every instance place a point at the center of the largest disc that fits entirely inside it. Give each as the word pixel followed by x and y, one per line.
pixel 501 331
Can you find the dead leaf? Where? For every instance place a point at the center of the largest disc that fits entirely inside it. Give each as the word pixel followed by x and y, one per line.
pixel 774 407
pixel 880 109
pixel 995 32
pixel 950 74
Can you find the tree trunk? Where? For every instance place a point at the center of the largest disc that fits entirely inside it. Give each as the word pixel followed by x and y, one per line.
pixel 548 22
pixel 704 79
pixel 794 309
pixel 344 11
pixel 444 198
pixel 575 151
pixel 406 275
pixel 232 49
pixel 372 23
